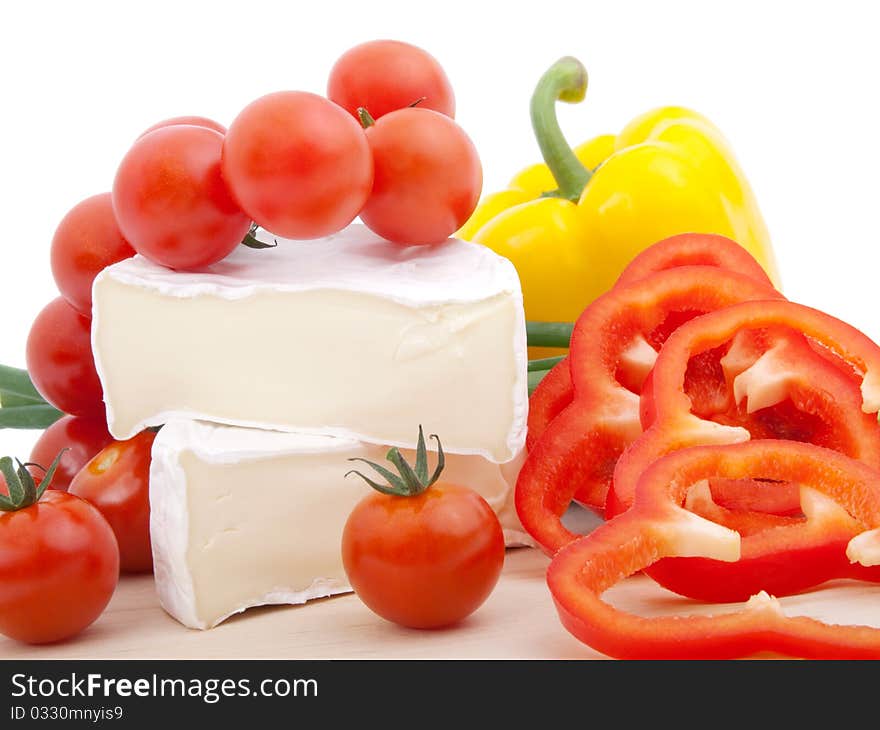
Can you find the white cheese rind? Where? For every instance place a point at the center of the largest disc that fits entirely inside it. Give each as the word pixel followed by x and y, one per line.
pixel 243 518
pixel 354 259
pixel 349 336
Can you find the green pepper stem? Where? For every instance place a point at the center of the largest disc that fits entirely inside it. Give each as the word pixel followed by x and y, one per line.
pixel 549 334
pixel 565 80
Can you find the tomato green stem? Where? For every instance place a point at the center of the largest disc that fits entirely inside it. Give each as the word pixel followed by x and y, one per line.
pixel 23 490
pixel 366 118
pixel 565 80
pixel 409 481
pixel 251 241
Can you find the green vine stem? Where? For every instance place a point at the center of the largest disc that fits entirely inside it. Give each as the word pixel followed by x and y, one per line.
pixel 21 406
pixel 535 378
pixel 549 334
pixel 545 363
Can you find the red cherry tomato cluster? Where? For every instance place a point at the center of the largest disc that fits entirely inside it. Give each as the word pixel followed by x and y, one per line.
pixel 302 166
pixel 297 164
pixel 382 144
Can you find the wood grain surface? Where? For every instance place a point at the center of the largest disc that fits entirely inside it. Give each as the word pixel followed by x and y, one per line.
pixel 518 621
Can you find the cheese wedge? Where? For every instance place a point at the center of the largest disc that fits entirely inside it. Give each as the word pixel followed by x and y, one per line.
pixel 243 518
pixel 348 336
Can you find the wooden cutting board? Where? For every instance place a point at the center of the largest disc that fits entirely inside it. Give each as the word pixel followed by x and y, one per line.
pixel 518 621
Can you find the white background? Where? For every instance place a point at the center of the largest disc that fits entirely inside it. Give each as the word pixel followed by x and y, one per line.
pixel 794 86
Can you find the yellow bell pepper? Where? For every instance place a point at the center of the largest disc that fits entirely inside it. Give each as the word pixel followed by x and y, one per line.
pixel 572 224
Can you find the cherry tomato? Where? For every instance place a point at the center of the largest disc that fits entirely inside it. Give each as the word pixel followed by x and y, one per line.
pixel 59 566
pixel 86 241
pixel 117 482
pixel 192 121
pixel 60 362
pixel 427 178
pixel 382 76
pixel 424 561
pixel 298 164
pixel 171 202
pixel 82 437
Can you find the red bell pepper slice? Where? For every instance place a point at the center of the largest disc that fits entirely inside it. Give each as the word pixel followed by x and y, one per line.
pixel 798 396
pixel 693 249
pixel 859 355
pixel 658 527
pixel 785 357
pixel 735 495
pixel 701 501
pixel 781 555
pixel 555 391
pixel 619 331
pixel 552 396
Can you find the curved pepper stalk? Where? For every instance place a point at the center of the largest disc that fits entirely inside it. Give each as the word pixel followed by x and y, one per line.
pixel 565 80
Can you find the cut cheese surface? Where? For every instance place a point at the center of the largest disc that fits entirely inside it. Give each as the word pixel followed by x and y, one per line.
pixel 242 518
pixel 348 336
